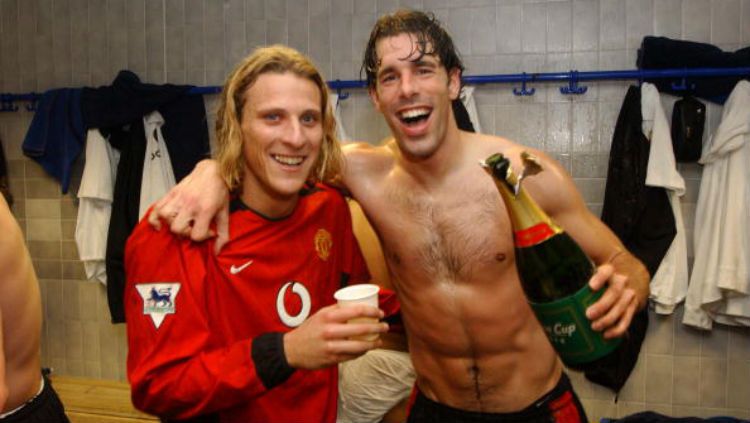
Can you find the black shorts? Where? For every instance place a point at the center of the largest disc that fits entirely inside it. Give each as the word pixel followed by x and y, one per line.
pixel 44 408
pixel 560 405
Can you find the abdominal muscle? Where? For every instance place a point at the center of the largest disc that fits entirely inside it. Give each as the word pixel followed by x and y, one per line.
pixel 477 346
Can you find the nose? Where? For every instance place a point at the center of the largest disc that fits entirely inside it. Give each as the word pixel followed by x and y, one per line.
pixel 406 86
pixel 294 134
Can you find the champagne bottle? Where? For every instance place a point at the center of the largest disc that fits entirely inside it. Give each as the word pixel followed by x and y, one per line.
pixel 553 269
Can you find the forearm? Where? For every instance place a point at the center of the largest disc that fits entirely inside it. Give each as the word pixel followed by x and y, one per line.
pixel 184 385
pixel 639 279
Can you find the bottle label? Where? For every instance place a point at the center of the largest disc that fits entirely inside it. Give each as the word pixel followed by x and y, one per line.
pixel 533 235
pixel 569 330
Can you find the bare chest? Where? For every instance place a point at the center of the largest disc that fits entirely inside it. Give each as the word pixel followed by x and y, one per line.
pixel 452 235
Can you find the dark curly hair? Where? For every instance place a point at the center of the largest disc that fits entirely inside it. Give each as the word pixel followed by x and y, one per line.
pixel 431 39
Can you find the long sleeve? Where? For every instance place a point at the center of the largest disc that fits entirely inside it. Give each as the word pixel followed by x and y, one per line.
pixel 174 365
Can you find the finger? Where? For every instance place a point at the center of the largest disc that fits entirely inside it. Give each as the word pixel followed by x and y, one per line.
pixel 346 313
pixel 181 224
pixel 168 212
pixel 615 313
pixel 153 216
pixel 222 227
pixel 166 205
pixel 156 210
pixel 624 323
pixel 608 298
pixel 358 330
pixel 200 229
pixel 351 347
pixel 154 221
pixel 600 277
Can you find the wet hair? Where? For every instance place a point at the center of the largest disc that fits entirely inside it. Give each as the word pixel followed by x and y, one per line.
pixel 276 59
pixel 431 39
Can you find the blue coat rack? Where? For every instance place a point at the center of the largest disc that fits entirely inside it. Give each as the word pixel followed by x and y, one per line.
pixel 573 79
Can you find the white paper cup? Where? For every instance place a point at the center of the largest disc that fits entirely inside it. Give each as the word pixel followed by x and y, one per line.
pixel 365 293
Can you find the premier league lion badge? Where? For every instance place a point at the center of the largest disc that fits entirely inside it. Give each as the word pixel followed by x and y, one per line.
pixel 158 299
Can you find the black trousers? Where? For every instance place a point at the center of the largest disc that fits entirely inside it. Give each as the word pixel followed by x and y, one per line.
pixel 44 408
pixel 560 405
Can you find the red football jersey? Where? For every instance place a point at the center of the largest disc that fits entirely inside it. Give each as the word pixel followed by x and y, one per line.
pixel 192 316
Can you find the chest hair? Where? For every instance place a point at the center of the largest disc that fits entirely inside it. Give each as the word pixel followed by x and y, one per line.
pixel 450 237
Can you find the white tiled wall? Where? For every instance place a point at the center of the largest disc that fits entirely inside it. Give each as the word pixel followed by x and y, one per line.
pixel 64 43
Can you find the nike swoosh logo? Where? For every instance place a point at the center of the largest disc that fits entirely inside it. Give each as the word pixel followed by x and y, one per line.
pixel 235 270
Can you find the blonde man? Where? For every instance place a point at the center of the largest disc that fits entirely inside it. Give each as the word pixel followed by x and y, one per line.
pixel 251 334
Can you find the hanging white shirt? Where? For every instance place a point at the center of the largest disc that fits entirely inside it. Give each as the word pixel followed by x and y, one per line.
pixel 158 176
pixel 95 204
pixel 670 282
pixel 467 98
pixel 720 283
pixel 341 133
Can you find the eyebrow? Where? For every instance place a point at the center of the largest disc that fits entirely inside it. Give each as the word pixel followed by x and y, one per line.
pixel 422 62
pixel 417 62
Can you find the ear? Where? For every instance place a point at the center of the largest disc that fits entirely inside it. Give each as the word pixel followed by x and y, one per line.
pixel 454 83
pixel 374 98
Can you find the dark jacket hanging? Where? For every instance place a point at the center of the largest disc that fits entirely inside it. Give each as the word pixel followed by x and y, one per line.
pixel 642 218
pixel 664 53
pixel 118 110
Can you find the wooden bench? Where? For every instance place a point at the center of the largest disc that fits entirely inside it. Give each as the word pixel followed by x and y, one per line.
pixel 98 401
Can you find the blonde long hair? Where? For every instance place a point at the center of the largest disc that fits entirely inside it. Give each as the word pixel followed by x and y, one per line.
pixel 273 59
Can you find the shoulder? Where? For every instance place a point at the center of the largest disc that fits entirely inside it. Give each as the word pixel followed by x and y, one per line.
pixel 324 195
pixel 366 164
pixel 551 188
pixel 361 155
pixel 483 146
pixel 489 144
pixel 144 240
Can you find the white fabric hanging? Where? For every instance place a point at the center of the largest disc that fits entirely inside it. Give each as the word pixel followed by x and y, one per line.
pixel 95 204
pixel 720 283
pixel 341 133
pixel 670 282
pixel 467 98
pixel 158 176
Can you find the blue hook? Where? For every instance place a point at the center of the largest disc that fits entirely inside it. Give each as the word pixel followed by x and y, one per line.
pixel 33 102
pixel 682 85
pixel 7 104
pixel 340 95
pixel 523 90
pixel 573 87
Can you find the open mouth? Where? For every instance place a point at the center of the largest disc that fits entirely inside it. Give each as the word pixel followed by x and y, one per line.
pixel 288 160
pixel 414 116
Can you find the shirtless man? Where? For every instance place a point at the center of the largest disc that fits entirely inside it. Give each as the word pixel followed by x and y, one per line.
pixel 24 395
pixel 478 351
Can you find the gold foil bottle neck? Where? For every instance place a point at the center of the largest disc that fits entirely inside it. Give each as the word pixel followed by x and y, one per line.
pixel 523 210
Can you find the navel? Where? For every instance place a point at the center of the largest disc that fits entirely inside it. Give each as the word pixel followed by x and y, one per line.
pixel 394 258
pixel 500 257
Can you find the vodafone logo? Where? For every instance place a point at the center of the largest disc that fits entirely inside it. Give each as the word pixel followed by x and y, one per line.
pixel 304 297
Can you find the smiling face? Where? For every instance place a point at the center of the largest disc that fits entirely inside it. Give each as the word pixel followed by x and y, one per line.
pixel 414 94
pixel 282 132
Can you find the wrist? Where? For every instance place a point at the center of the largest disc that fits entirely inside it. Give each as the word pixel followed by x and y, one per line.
pixel 270 360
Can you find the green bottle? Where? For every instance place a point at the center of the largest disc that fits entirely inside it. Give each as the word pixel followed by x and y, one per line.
pixel 553 269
